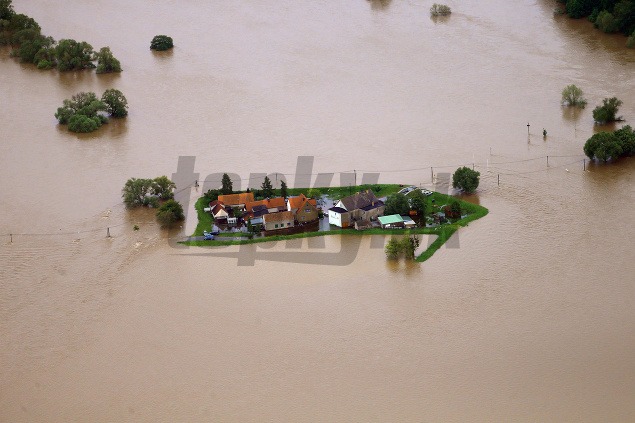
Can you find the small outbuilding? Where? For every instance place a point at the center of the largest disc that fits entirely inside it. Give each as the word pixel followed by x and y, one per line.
pixel 392 221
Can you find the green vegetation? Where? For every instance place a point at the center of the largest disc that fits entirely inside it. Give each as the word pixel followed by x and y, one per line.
pixel 74 55
pixel 443 232
pixel 82 112
pixel 139 192
pixel 606 15
pixel 266 188
pixel 170 212
pixel 25 37
pixel 336 193
pixel 116 103
pixel 397 204
pixel 611 145
pixel 405 247
pixel 418 203
pixel 630 41
pixel 106 62
pixel 284 191
pixel 161 42
pixel 440 10
pixel 466 179
pixel 607 111
pixel 573 96
pixel 226 185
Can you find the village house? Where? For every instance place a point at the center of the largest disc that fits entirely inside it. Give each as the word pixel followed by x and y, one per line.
pixel 277 221
pixel 236 200
pixel 305 209
pixel 268 205
pixel 360 206
pixel 218 211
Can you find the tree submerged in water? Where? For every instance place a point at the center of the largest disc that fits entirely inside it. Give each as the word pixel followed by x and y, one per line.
pixel 161 43
pixel 573 96
pixel 440 10
pixel 607 112
pixel 84 111
pixel 405 247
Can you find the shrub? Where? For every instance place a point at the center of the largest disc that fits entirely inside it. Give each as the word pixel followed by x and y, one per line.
pixel 606 22
pixel 397 204
pixel 630 41
pixel 71 54
pixel 607 111
pixel 406 247
pixel 116 103
pixel 169 213
pixel 106 62
pixel 466 179
pixel 161 42
pixel 603 146
pixel 440 10
pixel 83 123
pixel 573 96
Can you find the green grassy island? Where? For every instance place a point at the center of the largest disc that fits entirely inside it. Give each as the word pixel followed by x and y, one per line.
pixel 435 204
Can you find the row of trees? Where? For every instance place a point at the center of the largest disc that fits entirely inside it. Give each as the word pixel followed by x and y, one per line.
pixel 83 112
pixel 266 189
pixel 606 112
pixel 28 43
pixel 156 193
pixel 607 15
pixel 611 145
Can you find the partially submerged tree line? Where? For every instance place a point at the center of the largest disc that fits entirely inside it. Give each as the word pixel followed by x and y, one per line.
pixel 25 37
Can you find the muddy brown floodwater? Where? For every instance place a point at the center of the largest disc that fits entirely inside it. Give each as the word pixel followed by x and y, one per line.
pixel 529 317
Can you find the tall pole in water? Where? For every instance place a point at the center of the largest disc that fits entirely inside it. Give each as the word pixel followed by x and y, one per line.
pixel 527 128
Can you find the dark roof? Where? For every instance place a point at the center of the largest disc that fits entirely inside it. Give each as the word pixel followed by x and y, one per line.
pixel 359 200
pixel 259 210
pixel 371 206
pixel 338 210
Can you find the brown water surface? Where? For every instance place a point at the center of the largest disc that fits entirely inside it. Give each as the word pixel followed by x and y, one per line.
pixel 531 318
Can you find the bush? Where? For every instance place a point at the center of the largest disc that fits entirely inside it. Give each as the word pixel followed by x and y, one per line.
pixel 106 62
pixel 147 192
pixel 573 96
pixel 406 247
pixel 83 123
pixel 466 179
pixel 116 103
pixel 611 145
pixel 606 22
pixel 169 213
pixel 603 146
pixel 71 54
pixel 607 111
pixel 440 10
pixel 161 42
pixel 630 41
pixel 397 204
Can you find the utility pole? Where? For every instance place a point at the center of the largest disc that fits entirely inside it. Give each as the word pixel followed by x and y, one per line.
pixel 547 161
pixel 584 164
pixel 527 128
pixel 431 174
pixel 11 235
pixel 499 179
pixel 355 173
pixel 107 232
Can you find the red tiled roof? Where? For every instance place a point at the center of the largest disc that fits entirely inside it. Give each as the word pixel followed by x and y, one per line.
pixel 270 203
pixel 298 202
pixel 278 217
pixel 235 199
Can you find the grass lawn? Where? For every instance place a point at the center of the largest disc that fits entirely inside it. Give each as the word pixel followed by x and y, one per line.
pixel 443 232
